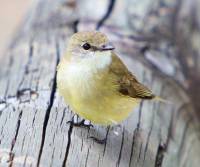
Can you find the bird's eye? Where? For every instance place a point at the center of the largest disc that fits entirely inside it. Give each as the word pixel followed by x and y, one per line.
pixel 86 46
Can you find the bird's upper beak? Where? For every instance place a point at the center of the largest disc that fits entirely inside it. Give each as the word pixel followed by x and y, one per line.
pixel 107 46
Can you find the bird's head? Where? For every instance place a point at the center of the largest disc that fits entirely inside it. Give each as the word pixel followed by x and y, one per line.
pixel 88 43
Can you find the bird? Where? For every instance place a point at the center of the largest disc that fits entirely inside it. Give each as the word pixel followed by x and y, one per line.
pixel 95 82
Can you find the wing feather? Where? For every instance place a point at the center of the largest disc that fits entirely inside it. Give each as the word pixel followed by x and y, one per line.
pixel 129 85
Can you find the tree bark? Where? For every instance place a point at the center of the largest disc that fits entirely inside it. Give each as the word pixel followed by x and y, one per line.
pixel 157 40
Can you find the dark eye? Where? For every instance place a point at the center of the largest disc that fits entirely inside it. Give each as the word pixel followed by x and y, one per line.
pixel 86 46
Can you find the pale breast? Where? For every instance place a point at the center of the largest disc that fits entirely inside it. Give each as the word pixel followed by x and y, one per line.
pixel 79 78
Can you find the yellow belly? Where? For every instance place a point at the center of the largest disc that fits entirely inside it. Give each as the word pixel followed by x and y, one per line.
pixel 94 96
pixel 105 111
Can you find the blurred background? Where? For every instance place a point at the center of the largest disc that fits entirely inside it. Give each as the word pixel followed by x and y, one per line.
pixel 11 15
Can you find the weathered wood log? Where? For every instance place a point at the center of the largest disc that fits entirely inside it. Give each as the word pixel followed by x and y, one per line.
pixel 33 129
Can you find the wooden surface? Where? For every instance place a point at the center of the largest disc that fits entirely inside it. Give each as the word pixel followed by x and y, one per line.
pixel 33 129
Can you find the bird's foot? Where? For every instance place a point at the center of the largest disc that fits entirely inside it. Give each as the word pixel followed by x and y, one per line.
pixel 99 141
pixel 80 124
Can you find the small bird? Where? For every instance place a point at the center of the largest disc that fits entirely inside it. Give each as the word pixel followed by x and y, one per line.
pixel 95 82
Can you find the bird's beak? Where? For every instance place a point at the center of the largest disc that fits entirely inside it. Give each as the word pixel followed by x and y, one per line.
pixel 107 46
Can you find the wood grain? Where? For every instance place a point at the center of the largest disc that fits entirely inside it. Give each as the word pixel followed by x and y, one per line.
pixel 33 129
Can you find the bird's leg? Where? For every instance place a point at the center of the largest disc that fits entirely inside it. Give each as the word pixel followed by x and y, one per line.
pixel 99 141
pixel 80 124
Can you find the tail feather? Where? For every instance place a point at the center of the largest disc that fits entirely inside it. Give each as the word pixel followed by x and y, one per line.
pixel 158 98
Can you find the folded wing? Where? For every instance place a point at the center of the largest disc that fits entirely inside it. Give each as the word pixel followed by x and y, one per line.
pixel 129 85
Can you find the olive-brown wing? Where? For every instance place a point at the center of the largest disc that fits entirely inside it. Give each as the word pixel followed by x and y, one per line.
pixel 129 85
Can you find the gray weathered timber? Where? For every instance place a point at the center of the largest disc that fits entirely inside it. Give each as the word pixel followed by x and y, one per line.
pixel 33 129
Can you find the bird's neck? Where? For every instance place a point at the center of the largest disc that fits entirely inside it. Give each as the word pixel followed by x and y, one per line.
pixel 95 60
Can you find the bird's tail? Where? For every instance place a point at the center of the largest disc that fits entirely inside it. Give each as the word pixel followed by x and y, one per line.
pixel 160 99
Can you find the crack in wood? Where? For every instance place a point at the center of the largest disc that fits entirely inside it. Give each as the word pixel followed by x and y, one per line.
pixel 162 148
pixel 87 156
pixel 52 157
pixel 34 117
pixel 51 101
pixel 140 152
pixel 170 130
pixel 11 154
pixel 2 129
pixel 139 114
pixel 11 157
pixel 104 150
pixel 160 155
pixel 54 135
pixel 30 55
pixel 56 116
pixel 23 141
pixel 107 14
pixel 120 152
pixel 148 137
pixel 24 163
pixel 60 156
pixel 68 144
pixel 132 145
pixel 30 59
pixel 62 118
pixel 17 130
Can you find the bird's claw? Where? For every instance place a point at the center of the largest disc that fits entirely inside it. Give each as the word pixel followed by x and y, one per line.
pixel 99 141
pixel 80 124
